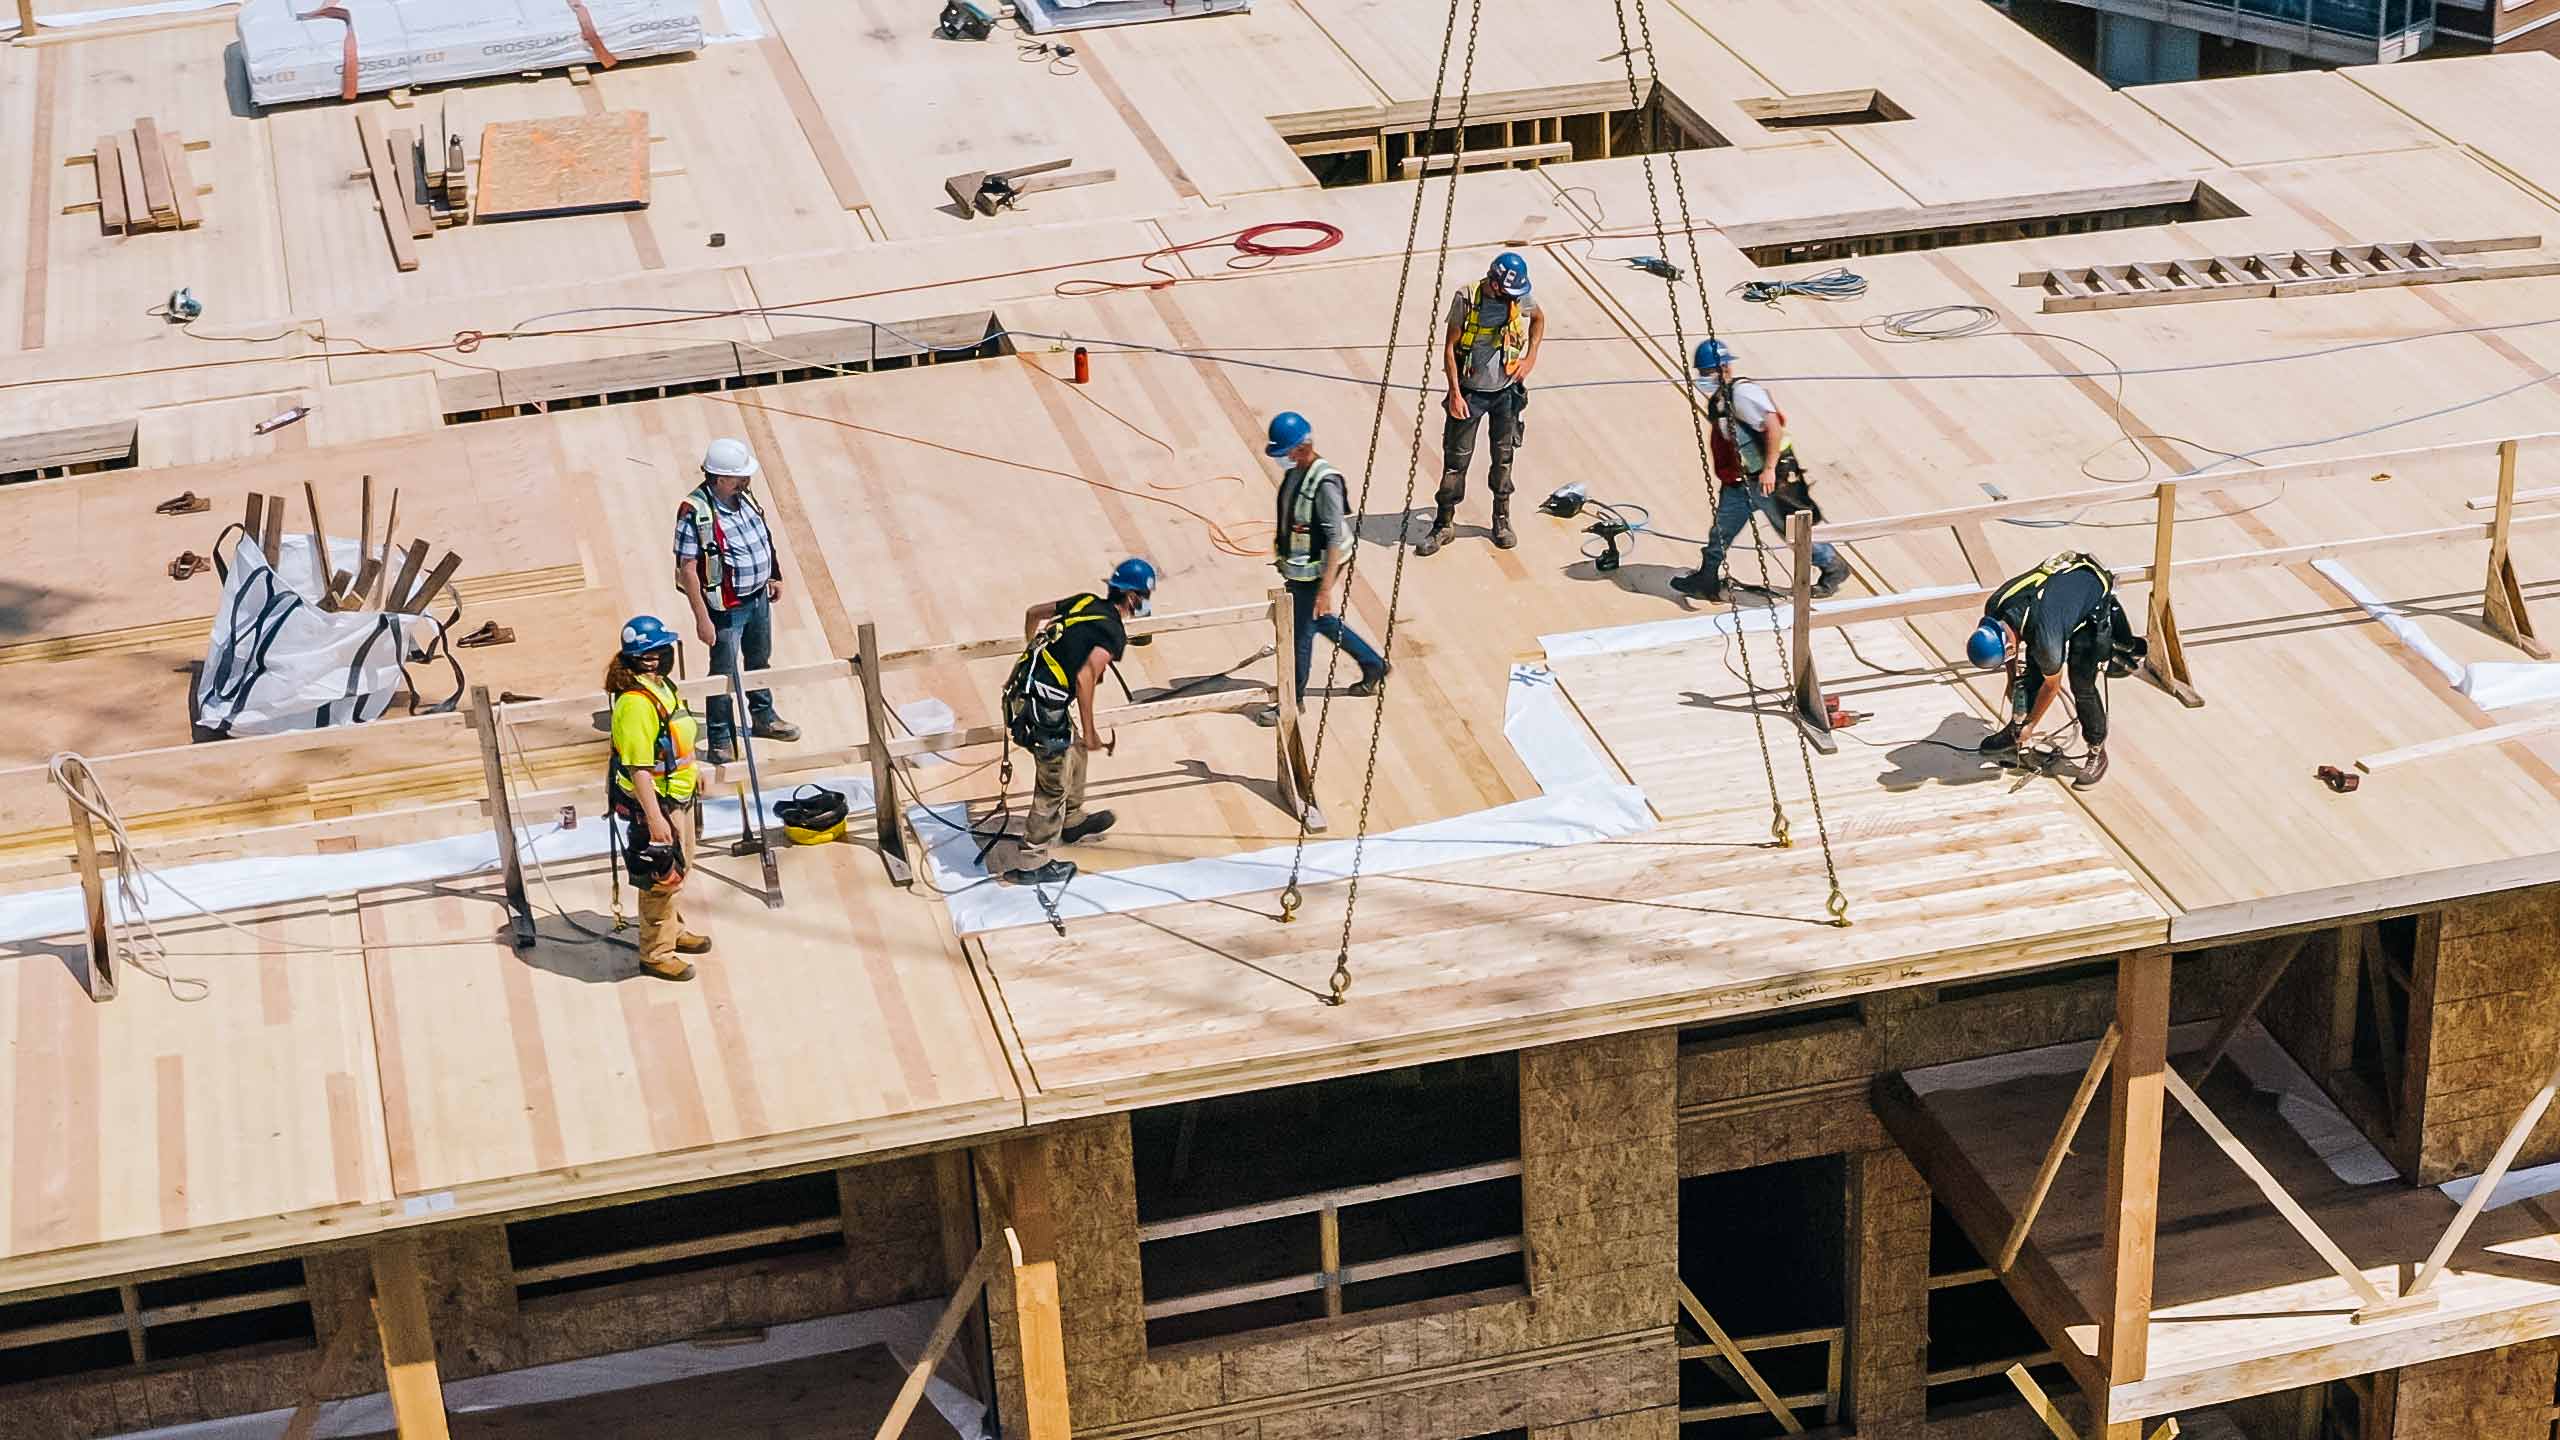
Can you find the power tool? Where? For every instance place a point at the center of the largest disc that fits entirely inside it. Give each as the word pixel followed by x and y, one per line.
pixel 965 20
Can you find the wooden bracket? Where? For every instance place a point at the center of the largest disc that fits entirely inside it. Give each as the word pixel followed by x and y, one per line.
pixel 100 979
pixel 493 770
pixel 1734 1356
pixel 2166 664
pixel 884 768
pixel 2502 603
pixel 1813 712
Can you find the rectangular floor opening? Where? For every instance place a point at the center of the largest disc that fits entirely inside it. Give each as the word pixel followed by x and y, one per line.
pixel 1520 130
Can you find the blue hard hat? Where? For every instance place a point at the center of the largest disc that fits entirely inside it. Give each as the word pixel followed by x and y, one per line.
pixel 1713 355
pixel 1134 576
pixel 1511 273
pixel 642 634
pixel 1289 430
pixel 1988 645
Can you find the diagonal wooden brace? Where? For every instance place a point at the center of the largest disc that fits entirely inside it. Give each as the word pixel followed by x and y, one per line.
pixel 2166 664
pixel 2502 606
pixel 2290 1208
pixel 1740 1362
pixel 2061 1148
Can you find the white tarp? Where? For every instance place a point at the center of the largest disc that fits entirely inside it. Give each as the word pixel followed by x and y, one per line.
pixel 422 42
pixel 277 662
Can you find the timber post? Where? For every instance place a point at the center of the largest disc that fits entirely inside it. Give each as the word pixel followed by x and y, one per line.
pixel 2167 662
pixel 2137 1095
pixel 2502 600
pixel 1813 712
pixel 100 979
pixel 884 768
pixel 1297 776
pixel 493 771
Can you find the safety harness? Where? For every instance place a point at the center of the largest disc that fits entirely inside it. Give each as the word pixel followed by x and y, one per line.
pixel 703 510
pixel 1039 691
pixel 1749 443
pixel 649 866
pixel 1300 558
pixel 1515 326
pixel 2124 651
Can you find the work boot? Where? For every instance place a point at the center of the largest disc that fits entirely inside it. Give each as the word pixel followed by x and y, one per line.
pixel 1702 584
pixel 1441 522
pixel 1504 537
pixel 1828 583
pixel 774 727
pixel 1088 827
pixel 688 943
pixel 2092 770
pixel 672 968
pixel 1371 681
pixel 718 750
pixel 1056 872
pixel 2002 741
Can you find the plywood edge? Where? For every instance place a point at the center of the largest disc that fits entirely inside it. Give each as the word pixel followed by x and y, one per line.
pixel 2362 899
pixel 1986 1220
pixel 1059 1103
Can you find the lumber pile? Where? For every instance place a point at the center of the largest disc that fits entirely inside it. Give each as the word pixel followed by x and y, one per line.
pixel 144 180
pixel 419 182
pixel 386 579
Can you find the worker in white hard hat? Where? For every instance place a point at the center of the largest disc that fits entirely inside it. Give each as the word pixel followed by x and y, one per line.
pixel 727 567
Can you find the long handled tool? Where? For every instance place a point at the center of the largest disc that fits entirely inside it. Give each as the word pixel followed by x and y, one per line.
pixel 753 834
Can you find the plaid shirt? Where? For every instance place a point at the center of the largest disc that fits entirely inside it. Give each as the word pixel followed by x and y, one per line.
pixel 746 546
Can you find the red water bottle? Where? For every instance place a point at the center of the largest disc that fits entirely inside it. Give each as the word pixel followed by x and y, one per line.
pixel 1084 366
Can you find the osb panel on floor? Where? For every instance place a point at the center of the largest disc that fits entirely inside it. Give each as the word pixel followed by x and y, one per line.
pixel 572 165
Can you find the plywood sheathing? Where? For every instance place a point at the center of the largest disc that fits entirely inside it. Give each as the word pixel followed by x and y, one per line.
pixel 572 165
pixel 2500 1394
pixel 2488 1038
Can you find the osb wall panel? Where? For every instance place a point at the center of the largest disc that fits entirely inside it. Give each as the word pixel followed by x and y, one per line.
pixel 1599 1195
pixel 2494 1395
pixel 1662 1424
pixel 1889 1297
pixel 478 1329
pixel 2491 1032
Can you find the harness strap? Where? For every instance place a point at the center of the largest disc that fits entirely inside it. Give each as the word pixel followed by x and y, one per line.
pixel 587 31
pixel 347 76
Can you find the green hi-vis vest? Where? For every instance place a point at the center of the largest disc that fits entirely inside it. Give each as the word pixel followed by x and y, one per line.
pixel 1515 328
pixel 1299 557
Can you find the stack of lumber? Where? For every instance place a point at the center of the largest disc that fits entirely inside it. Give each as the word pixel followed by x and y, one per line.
pixel 144 183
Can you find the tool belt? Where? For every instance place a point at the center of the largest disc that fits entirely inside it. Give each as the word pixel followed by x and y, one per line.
pixel 1790 492
pixel 652 866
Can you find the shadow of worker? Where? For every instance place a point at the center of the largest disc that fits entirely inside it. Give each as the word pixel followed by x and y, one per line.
pixel 1946 756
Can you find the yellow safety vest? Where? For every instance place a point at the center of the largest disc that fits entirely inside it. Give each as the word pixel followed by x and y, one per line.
pixel 1298 557
pixel 1515 328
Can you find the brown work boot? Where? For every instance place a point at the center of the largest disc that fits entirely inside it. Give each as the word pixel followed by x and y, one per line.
pixel 1504 537
pixel 688 943
pixel 1441 522
pixel 675 967
pixel 2093 769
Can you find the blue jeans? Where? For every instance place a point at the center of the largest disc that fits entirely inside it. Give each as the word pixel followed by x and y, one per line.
pixel 742 633
pixel 1302 594
pixel 1736 502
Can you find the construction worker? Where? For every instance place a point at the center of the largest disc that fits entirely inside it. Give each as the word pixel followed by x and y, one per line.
pixel 1311 549
pixel 1757 474
pixel 1490 345
pixel 728 570
pixel 651 783
pixel 1070 645
pixel 2058 619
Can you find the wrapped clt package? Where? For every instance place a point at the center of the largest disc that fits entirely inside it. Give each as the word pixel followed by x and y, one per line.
pixel 307 49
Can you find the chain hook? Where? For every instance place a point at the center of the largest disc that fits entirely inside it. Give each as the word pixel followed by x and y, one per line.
pixel 1837 906
pixel 1781 833
pixel 1341 981
pixel 1290 899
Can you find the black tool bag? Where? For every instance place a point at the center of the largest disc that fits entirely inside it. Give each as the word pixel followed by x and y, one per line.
pixel 1791 493
pixel 1036 712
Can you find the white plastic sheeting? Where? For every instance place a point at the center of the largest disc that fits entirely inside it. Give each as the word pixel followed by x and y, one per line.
pixel 2518 1187
pixel 2491 684
pixel 278 662
pixel 423 42
pixel 903 1329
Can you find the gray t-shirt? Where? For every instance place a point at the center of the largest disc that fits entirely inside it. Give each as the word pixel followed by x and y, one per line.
pixel 1480 369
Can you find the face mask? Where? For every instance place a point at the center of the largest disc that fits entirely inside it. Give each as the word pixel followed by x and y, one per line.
pixel 1145 604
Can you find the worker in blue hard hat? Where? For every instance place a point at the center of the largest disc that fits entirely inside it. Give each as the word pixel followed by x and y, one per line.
pixel 1069 645
pixel 1487 350
pixel 650 784
pixel 1311 549
pixel 1757 473
pixel 2060 620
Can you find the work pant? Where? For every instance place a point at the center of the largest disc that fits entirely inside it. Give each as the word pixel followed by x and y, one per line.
pixel 1057 801
pixel 1736 502
pixel 2086 657
pixel 1458 442
pixel 661 920
pixel 741 635
pixel 1302 595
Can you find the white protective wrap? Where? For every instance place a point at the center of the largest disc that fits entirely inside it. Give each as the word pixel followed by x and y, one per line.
pixel 422 42
pixel 278 662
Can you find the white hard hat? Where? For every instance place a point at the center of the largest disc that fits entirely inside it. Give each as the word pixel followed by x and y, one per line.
pixel 728 457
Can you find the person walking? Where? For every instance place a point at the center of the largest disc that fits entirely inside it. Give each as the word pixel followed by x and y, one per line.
pixel 1488 348
pixel 651 779
pixel 1311 549
pixel 731 576
pixel 1757 474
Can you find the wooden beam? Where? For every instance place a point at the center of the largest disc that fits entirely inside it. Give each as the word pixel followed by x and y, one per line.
pixel 408 1345
pixel 2167 661
pixel 1297 774
pixel 493 771
pixel 100 937
pixel 1485 159
pixel 1811 711
pixel 2133 1167
pixel 1740 1362
pixel 955 1203
pixel 954 1314
pixel 386 191
pixel 2502 602
pixel 2061 1147
pixel 1019 1174
pixel 2290 1208
pixel 2261 986
pixel 885 808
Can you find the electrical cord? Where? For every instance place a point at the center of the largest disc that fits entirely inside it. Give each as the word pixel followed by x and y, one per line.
pixel 1836 283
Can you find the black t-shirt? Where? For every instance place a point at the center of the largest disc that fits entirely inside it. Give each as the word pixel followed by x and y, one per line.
pixel 2048 617
pixel 1103 630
